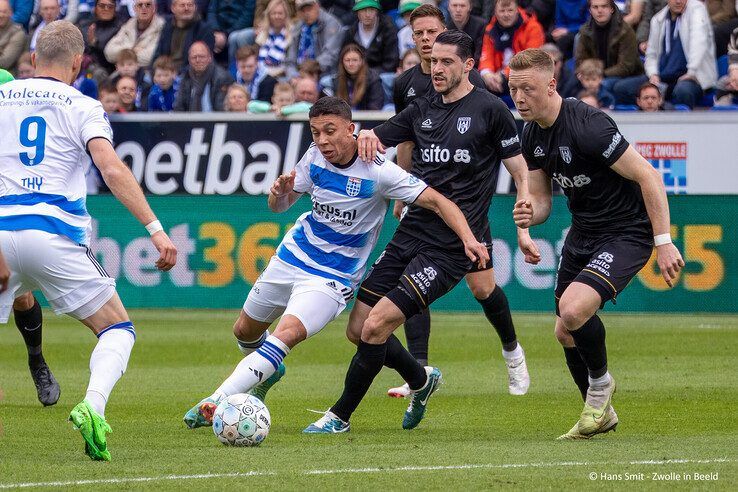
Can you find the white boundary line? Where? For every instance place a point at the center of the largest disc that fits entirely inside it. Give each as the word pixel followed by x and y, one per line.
pixel 488 466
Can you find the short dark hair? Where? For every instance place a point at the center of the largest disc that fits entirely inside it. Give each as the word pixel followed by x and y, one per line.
pixel 463 42
pixel 331 106
pixel 427 10
pixel 648 85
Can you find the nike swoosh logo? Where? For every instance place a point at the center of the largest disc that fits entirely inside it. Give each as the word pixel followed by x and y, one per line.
pixel 432 388
pixel 32 329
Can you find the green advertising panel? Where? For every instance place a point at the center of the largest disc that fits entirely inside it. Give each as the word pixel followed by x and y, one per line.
pixel 224 242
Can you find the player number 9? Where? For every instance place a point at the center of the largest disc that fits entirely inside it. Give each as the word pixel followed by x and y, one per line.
pixel 38 142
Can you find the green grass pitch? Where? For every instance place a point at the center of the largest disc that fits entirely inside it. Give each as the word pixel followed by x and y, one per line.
pixel 677 400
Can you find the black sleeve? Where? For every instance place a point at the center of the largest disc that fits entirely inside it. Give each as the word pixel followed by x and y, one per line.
pixel 504 131
pixel 525 147
pixel 399 128
pixel 599 139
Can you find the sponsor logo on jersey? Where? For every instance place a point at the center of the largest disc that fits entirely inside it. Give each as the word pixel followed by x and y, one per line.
pixel 463 124
pixel 567 182
pixel 508 142
pixel 427 124
pixel 353 186
pixel 565 154
pixel 611 148
pixel 334 214
pixel 411 92
pixel 538 152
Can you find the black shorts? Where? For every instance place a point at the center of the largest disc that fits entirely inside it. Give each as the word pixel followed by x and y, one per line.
pixel 607 264
pixel 412 274
pixel 486 240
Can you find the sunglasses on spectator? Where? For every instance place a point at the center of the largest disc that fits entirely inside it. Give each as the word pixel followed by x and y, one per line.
pixel 142 5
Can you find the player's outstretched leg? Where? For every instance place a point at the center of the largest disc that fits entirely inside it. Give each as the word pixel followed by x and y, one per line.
pixel 29 320
pixel 497 310
pixel 417 334
pixel 248 347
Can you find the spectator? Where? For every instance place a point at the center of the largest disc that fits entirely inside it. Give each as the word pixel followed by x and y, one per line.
pixel 258 82
pixel 376 33
pixel 227 16
pixel 237 99
pixel 283 102
pixel 633 12
pixel 22 10
pixel 681 52
pixel 317 36
pixel 98 31
pixel 650 8
pixel 272 31
pixel 564 78
pixel 408 61
pixel 204 84
pixel 510 31
pixel 590 74
pixel 181 31
pixel 405 41
pixel 108 97
pixel 724 19
pixel 570 15
pixel 463 20
pixel 140 33
pixel 127 88
pixel 161 96
pixel 309 69
pixel 605 36
pixel 589 98
pixel 12 38
pixel 649 99
pixel 127 65
pixel 357 83
pixel 25 69
pixel 49 11
pixel 306 90
pixel 727 92
pixel 67 11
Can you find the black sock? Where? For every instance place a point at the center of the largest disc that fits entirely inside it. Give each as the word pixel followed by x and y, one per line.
pixel 364 367
pixel 400 360
pixel 417 333
pixel 590 341
pixel 497 310
pixel 578 369
pixel 29 324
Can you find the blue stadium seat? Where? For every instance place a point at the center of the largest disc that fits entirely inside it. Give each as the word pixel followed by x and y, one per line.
pixel 722 66
pixel 626 107
pixel 732 107
pixel 681 107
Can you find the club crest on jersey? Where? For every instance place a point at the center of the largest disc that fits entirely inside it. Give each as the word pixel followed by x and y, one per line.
pixel 463 124
pixel 353 186
pixel 565 154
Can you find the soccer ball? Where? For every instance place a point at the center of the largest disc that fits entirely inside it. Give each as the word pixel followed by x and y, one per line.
pixel 241 420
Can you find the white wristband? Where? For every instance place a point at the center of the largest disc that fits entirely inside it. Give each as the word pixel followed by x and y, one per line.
pixel 154 227
pixel 662 239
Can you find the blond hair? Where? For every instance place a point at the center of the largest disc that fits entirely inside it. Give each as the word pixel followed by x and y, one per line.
pixel 58 43
pixel 591 67
pixel 262 24
pixel 532 58
pixel 236 88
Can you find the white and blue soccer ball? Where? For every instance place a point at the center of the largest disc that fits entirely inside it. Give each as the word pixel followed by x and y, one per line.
pixel 241 420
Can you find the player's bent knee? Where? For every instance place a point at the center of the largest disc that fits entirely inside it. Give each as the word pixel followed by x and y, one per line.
pixel 563 335
pixel 352 335
pixel 290 330
pixel 24 302
pixel 572 316
pixel 375 329
pixel 481 292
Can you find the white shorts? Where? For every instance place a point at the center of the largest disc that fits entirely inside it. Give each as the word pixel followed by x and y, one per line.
pixel 285 289
pixel 67 273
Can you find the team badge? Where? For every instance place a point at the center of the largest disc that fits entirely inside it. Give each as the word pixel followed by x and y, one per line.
pixel 353 186
pixel 463 124
pixel 565 154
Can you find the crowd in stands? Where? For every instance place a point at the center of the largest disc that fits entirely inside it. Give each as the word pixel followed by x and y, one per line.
pixel 280 56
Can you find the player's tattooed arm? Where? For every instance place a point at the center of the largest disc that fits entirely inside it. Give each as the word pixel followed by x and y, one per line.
pixel 633 166
pixel 536 208
pixel 282 195
pixel 4 273
pixel 454 218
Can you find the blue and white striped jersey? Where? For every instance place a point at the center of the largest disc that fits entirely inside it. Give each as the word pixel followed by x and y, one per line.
pixel 335 238
pixel 44 131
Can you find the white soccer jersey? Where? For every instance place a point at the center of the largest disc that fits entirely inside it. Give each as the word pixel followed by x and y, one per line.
pixel 334 240
pixel 44 131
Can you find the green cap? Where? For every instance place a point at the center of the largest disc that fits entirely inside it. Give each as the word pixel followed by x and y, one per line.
pixel 408 6
pixel 5 76
pixel 366 4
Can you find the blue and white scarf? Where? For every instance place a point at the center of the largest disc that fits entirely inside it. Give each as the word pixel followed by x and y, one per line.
pixel 271 53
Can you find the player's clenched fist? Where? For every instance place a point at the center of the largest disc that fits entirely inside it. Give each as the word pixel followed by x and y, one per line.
pixel 670 262
pixel 167 251
pixel 283 185
pixel 369 145
pixel 523 213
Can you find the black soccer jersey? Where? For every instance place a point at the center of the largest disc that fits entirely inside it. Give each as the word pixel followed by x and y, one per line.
pixel 413 83
pixel 577 152
pixel 458 147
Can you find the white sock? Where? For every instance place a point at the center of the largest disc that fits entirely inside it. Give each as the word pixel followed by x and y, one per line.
pixel 108 362
pixel 246 347
pixel 603 380
pixel 514 354
pixel 254 368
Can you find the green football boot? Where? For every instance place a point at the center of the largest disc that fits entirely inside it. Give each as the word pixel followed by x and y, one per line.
pixel 201 415
pixel 594 417
pixel 260 390
pixel 610 423
pixel 419 399
pixel 93 428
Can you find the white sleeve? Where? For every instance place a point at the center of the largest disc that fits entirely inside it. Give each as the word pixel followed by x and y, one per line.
pixel 95 125
pixel 303 182
pixel 398 184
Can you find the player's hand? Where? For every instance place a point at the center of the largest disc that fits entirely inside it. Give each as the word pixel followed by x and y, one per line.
pixel 4 274
pixel 529 248
pixel 670 262
pixel 167 251
pixel 369 145
pixel 397 209
pixel 523 213
pixel 477 253
pixel 283 185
